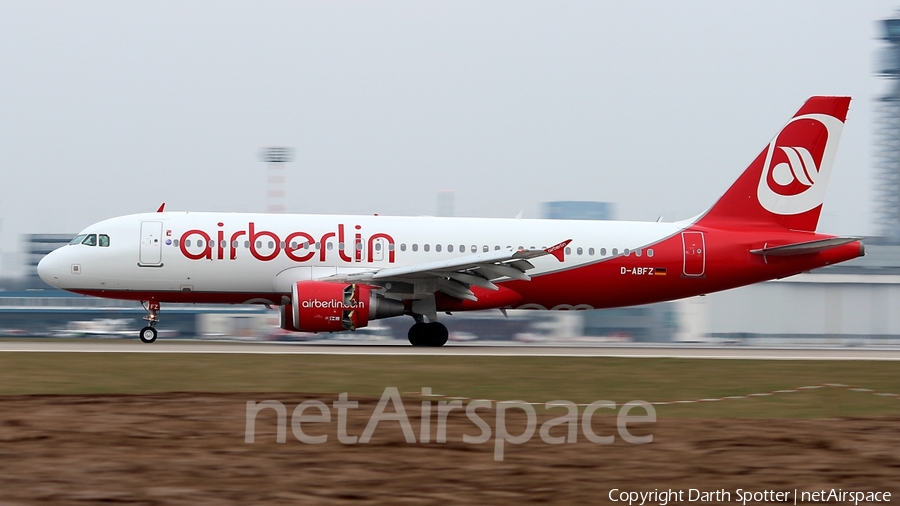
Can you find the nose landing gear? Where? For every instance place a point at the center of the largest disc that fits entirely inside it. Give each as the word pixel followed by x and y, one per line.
pixel 148 334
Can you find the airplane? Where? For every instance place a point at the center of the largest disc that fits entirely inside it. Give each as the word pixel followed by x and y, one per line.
pixel 333 273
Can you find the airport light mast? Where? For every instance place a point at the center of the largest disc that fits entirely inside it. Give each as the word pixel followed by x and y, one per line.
pixel 887 149
pixel 276 157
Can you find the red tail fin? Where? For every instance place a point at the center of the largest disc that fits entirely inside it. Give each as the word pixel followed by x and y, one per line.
pixel 785 184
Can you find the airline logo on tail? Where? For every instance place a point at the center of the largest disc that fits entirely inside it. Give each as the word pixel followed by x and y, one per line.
pixel 798 164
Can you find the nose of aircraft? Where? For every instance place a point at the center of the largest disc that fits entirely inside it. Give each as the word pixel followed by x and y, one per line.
pixel 49 268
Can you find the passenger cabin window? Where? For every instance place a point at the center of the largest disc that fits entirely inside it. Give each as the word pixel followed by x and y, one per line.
pixel 403 246
pixel 77 239
pixel 90 240
pixel 426 247
pixel 437 247
pixel 104 241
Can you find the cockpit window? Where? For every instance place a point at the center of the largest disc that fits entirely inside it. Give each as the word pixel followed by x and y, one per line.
pixel 104 241
pixel 90 240
pixel 77 239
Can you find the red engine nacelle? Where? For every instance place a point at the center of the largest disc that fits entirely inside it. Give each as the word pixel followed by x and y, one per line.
pixel 320 306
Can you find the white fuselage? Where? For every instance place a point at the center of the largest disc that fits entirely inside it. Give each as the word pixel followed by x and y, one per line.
pixel 150 252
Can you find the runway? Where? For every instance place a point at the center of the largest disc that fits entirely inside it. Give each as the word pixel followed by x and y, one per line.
pixel 483 350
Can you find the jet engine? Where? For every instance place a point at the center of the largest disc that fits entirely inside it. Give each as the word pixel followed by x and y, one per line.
pixel 321 306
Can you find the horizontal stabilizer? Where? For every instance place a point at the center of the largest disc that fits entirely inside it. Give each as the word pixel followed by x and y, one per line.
pixel 804 248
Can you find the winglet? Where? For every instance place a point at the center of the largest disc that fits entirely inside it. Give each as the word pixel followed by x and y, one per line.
pixel 162 207
pixel 559 251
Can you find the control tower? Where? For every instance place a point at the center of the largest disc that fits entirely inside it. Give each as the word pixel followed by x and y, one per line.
pixel 887 134
pixel 276 158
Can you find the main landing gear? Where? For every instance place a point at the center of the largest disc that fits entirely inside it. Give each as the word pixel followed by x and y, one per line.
pixel 427 334
pixel 148 333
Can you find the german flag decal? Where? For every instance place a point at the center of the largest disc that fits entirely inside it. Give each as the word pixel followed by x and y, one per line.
pixel 659 271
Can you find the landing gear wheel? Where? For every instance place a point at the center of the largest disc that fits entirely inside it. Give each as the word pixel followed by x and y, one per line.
pixel 436 334
pixel 148 334
pixel 418 334
pixel 428 334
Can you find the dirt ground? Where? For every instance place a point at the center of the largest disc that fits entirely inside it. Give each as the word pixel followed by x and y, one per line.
pixel 188 448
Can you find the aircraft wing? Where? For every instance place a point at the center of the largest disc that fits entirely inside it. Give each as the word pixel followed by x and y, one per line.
pixel 456 276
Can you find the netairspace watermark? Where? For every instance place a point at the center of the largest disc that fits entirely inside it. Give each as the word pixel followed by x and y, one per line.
pixel 311 412
pixel 745 497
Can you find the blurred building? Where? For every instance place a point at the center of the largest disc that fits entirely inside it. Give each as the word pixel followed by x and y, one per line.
pixel 887 134
pixel 38 245
pixel 856 302
pixel 276 158
pixel 577 210
pixel 445 205
pixel 49 311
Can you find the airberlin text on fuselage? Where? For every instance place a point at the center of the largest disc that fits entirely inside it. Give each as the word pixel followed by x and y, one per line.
pixel 292 245
pixel 332 304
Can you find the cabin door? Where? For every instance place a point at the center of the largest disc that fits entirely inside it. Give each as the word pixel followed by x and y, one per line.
pixel 694 253
pixel 151 244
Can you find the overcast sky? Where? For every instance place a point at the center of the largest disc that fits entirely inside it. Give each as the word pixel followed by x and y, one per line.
pixel 110 108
